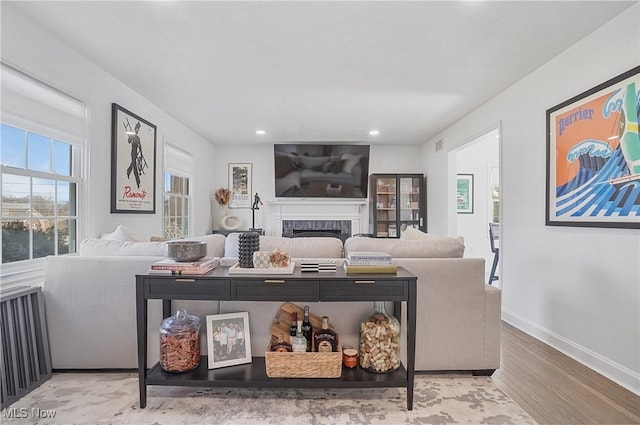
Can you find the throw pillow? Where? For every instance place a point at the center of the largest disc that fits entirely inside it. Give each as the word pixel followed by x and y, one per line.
pixel 350 161
pixel 411 233
pixel 123 233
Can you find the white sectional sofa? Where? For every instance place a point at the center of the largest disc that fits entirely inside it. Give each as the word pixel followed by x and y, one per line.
pixel 90 300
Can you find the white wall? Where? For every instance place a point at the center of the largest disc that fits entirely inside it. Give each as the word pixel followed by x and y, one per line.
pixel 29 48
pixel 578 289
pixel 478 158
pixel 382 159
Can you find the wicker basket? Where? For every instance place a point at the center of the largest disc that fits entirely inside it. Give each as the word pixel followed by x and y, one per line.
pixel 303 365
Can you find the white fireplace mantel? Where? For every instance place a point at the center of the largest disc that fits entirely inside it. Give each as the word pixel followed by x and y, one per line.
pixel 322 209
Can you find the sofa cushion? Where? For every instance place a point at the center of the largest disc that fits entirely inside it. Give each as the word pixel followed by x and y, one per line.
pixel 428 247
pixel 317 247
pixel 93 247
pixel 215 244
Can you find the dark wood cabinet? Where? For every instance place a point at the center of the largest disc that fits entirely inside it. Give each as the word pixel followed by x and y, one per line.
pixel 397 201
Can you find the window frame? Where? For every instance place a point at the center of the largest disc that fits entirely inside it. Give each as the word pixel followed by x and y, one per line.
pixel 177 163
pixel 30 270
pixel 34 106
pixel 182 197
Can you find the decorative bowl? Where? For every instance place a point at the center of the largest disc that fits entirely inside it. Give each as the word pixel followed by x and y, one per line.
pixel 186 250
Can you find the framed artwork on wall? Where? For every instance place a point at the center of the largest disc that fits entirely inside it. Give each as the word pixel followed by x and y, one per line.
pixel 240 185
pixel 593 156
pixel 228 339
pixel 133 163
pixel 465 194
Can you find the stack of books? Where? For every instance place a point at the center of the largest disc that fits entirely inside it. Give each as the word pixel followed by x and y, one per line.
pixel 172 267
pixel 321 266
pixel 369 262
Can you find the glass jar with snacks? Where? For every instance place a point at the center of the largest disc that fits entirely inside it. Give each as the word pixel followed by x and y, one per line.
pixel 180 342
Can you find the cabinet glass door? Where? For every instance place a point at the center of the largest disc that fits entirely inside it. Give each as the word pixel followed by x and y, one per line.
pixel 409 202
pixel 385 224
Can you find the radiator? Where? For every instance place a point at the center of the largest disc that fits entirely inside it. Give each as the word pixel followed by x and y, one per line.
pixel 25 362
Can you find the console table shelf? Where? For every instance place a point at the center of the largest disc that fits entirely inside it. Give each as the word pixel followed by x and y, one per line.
pixel 327 287
pixel 253 375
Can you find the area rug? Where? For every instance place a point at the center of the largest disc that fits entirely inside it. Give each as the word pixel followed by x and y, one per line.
pixel 112 398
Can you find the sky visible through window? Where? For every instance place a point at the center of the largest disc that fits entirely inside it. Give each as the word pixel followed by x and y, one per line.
pixel 31 151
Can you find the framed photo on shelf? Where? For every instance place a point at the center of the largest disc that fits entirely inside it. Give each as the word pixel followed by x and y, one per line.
pixel 133 163
pixel 593 156
pixel 240 185
pixel 465 194
pixel 228 340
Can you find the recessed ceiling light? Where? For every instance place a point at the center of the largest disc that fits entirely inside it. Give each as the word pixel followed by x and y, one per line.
pixel 261 132
pixel 374 133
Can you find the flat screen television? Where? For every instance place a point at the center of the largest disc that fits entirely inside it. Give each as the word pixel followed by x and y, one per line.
pixel 306 170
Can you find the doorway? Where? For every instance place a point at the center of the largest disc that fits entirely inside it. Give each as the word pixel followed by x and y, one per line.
pixel 478 196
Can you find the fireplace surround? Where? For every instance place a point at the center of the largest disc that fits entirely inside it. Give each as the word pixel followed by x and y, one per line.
pixel 329 218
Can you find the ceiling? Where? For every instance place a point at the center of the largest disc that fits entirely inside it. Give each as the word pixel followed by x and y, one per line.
pixel 320 71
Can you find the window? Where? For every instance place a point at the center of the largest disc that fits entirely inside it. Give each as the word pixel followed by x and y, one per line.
pixel 42 146
pixel 176 206
pixel 177 192
pixel 39 196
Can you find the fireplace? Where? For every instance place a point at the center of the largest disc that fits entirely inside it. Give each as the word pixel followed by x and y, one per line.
pixel 318 228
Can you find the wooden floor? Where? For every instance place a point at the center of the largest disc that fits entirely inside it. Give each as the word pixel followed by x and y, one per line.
pixel 555 389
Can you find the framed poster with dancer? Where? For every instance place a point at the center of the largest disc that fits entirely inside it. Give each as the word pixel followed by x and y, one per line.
pixel 593 156
pixel 133 163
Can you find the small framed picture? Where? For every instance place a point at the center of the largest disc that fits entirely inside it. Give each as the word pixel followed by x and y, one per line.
pixel 465 194
pixel 240 185
pixel 228 340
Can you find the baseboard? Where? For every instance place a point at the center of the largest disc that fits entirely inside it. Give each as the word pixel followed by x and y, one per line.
pixel 604 366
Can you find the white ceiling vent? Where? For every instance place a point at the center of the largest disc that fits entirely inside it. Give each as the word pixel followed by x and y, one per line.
pixel 439 145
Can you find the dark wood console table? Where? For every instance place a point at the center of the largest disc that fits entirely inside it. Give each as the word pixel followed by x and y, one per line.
pixel 301 287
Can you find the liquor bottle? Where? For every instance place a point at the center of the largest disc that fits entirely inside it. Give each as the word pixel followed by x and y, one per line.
pixel 306 328
pixel 280 345
pixel 293 327
pixel 325 339
pixel 299 344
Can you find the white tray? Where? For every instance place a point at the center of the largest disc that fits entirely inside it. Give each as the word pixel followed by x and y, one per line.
pixel 236 269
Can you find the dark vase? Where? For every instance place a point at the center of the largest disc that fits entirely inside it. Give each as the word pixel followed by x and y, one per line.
pixel 248 243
